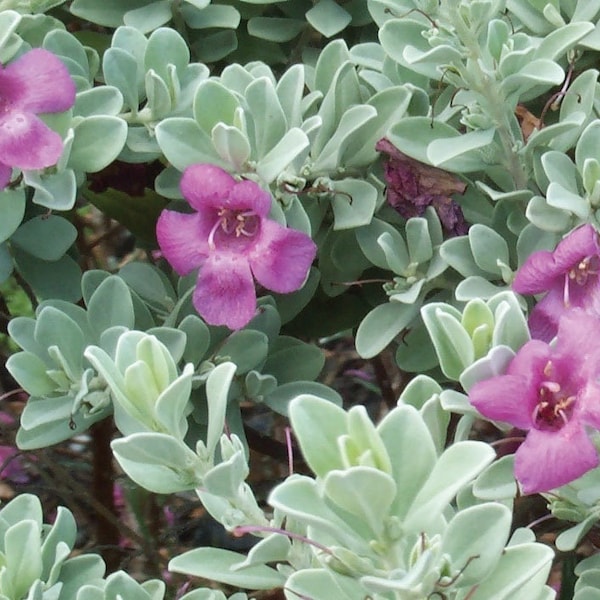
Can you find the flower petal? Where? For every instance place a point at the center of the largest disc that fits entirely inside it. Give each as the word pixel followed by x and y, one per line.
pixel 27 143
pixel 588 407
pixel 581 242
pixel 544 270
pixel 281 257
pixel 577 353
pixel 5 175
pixel 183 239
pixel 545 315
pixel 224 293
pixel 578 333
pixel 248 195
pixel 537 274
pixel 38 82
pixel 505 398
pixel 548 312
pixel 549 459
pixel 206 186
pixel 530 361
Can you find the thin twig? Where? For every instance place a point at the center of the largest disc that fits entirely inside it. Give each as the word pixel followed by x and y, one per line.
pixel 26 288
pixel 383 380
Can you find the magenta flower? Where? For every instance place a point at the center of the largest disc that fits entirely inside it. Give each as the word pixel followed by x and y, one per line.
pixel 232 241
pixel 569 275
pixel 36 82
pixel 553 392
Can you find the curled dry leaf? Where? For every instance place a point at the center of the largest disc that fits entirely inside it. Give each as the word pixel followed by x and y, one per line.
pixel 412 186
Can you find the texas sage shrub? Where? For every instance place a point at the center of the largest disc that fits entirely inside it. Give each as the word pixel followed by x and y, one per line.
pixel 420 177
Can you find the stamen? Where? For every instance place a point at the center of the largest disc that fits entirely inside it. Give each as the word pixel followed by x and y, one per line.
pixel 564 403
pixel 242 227
pixel 227 224
pixel 566 300
pixel 552 411
pixel 211 235
pixel 239 230
pixel 551 386
pixel 583 270
pixel 233 223
pixel 563 416
pixel 548 369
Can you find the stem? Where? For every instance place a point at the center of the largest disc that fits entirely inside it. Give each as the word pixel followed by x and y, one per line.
pixel 239 531
pixel 107 530
pixel 12 393
pixel 383 380
pixel 568 577
pixel 263 444
pixel 26 288
pixel 495 102
pixel 4 315
pixel 290 449
pixel 64 482
pixel 540 520
pixel 508 440
pixel 139 117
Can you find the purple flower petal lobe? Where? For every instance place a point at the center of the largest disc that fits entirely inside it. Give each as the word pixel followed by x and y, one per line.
pixel 205 186
pixel 36 82
pixel 181 237
pixel 546 460
pixel 225 294
pixel 281 258
pixel 27 143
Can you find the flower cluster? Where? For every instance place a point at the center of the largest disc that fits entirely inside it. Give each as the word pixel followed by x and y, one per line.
pixel 231 240
pixel 552 389
pixel 36 82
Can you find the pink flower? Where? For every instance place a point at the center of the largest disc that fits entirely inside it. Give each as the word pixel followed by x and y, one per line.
pixel 232 241
pixel 553 392
pixel 569 275
pixel 36 82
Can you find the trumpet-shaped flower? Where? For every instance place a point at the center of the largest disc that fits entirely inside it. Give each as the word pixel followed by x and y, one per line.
pixel 36 82
pixel 553 392
pixel 231 240
pixel 569 275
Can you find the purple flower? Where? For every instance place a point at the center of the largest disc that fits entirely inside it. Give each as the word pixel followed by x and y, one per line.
pixel 553 392
pixel 36 82
pixel 569 275
pixel 232 241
